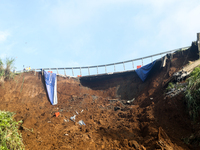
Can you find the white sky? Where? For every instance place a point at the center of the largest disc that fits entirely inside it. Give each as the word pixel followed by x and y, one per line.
pixel 70 33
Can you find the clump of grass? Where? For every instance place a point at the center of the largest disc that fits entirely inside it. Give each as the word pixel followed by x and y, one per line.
pixel 9 66
pixel 192 94
pixel 5 69
pixel 170 86
pixel 9 136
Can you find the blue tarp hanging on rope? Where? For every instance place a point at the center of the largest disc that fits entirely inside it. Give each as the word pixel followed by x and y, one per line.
pixel 144 71
pixel 51 86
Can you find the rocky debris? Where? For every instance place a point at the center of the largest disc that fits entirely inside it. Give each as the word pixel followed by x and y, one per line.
pixel 178 88
pixel 117 108
pixel 164 141
pixel 181 75
pixel 134 144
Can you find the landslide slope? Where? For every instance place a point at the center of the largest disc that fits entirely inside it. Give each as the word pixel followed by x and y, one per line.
pixel 150 122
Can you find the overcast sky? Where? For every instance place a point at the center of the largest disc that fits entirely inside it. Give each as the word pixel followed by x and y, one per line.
pixel 70 33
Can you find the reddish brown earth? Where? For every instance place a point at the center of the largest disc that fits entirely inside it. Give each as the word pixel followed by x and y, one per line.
pixel 147 123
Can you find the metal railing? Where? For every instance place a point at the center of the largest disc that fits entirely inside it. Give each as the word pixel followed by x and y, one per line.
pixel 106 65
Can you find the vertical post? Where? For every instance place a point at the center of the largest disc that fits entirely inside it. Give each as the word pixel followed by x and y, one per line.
pixel 35 72
pixel 42 72
pixel 198 43
pixel 151 59
pixel 114 68
pixel 124 66
pixel 72 72
pixel 57 70
pixel 133 64
pixel 88 71
pixel 97 69
pixel 105 69
pixel 142 61
pixel 171 57
pixel 64 72
pixel 80 71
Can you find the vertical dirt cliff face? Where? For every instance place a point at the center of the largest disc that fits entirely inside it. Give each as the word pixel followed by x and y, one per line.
pixel 124 84
pixel 149 122
pixel 128 85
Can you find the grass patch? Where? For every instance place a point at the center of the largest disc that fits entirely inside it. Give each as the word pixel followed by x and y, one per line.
pixel 192 94
pixel 5 69
pixel 170 86
pixel 10 139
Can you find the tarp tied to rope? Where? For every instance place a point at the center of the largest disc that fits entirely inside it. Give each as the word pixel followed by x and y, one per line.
pixel 144 71
pixel 51 86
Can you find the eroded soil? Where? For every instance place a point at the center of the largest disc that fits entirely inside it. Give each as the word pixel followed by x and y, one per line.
pixel 149 122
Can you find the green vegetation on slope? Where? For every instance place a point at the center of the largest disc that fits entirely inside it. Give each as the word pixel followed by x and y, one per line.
pixel 10 139
pixel 5 69
pixel 192 94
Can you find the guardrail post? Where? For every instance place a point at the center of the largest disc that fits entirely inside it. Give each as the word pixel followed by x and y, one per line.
pixel 105 69
pixel 114 68
pixel 35 72
pixel 142 61
pixel 133 64
pixel 42 72
pixel 72 72
pixel 171 55
pixel 151 59
pixel 88 71
pixel 97 69
pixel 124 66
pixel 64 72
pixel 80 71
pixel 57 70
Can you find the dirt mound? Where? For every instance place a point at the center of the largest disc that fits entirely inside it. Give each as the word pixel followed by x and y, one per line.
pixel 148 122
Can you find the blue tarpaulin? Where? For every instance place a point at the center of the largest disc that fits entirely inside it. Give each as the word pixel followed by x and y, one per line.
pixel 51 86
pixel 144 71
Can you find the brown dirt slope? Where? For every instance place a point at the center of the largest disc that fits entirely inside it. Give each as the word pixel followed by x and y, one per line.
pixel 150 122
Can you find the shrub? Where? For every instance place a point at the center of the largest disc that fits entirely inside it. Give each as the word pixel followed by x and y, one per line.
pixel 192 94
pixel 5 70
pixel 9 136
pixel 9 66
